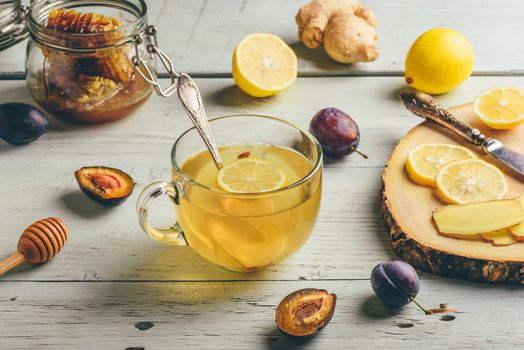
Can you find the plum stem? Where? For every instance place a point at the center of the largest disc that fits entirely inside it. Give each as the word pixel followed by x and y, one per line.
pixel 419 306
pixel 354 149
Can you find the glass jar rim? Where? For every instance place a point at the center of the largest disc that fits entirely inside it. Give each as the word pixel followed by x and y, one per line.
pixel 316 167
pixel 48 37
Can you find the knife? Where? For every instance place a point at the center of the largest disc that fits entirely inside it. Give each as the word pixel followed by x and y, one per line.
pixel 427 107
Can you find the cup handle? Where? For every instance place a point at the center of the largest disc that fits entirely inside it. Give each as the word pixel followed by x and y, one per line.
pixel 169 235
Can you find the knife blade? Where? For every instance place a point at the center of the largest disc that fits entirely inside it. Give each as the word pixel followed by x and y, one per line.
pixel 507 156
pixel 427 107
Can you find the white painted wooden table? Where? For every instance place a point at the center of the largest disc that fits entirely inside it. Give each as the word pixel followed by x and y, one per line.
pixel 110 276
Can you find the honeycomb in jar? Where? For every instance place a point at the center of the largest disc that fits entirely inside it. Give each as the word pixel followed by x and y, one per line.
pixel 89 92
pixel 96 89
pixel 71 21
pixel 111 63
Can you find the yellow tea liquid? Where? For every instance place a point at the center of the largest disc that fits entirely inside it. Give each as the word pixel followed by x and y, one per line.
pixel 247 232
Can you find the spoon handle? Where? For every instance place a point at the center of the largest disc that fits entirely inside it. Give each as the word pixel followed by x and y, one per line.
pixel 11 262
pixel 192 102
pixel 427 107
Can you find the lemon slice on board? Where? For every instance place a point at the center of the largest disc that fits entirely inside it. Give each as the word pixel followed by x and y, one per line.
pixel 470 181
pixel 263 64
pixel 250 176
pixel 425 161
pixel 501 107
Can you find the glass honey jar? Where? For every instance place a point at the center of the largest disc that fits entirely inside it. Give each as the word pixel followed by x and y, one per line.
pixel 86 61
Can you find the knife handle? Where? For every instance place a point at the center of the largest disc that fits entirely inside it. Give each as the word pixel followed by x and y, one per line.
pixel 427 107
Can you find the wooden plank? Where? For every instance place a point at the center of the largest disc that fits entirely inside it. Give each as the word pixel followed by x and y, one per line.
pixel 200 35
pixel 37 180
pixel 240 315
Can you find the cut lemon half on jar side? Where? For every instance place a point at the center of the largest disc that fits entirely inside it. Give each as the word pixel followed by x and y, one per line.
pixel 263 64
pixel 501 107
pixel 425 161
pixel 250 176
pixel 470 181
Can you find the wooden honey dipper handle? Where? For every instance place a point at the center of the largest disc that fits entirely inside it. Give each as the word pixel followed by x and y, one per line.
pixel 40 242
pixel 11 262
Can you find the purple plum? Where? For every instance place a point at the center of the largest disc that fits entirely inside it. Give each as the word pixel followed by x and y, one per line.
pixel 336 131
pixel 21 123
pixel 395 282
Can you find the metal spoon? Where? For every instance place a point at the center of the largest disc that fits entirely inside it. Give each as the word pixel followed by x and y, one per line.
pixel 192 102
pixel 180 82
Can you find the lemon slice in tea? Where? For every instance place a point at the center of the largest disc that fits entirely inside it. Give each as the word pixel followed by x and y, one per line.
pixel 250 176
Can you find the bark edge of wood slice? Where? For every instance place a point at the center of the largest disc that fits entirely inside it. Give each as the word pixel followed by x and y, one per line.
pixel 415 239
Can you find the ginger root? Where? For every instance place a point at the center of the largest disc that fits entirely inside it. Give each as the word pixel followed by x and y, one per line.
pixel 345 27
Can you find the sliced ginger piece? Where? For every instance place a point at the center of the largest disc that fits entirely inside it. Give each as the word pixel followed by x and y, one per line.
pixel 518 230
pixel 475 237
pixel 501 237
pixel 482 217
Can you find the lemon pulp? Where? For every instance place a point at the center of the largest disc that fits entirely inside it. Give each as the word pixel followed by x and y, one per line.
pixel 250 176
pixel 469 181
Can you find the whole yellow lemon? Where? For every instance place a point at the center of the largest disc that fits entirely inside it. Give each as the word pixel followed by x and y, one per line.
pixel 439 61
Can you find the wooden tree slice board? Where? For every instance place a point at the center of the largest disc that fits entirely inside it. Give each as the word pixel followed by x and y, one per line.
pixel 407 209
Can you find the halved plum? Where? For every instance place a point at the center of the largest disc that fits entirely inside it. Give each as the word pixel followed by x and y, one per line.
pixel 305 312
pixel 108 186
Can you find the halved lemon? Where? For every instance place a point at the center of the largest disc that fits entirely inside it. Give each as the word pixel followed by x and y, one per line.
pixel 469 181
pixel 263 64
pixel 425 161
pixel 501 107
pixel 250 175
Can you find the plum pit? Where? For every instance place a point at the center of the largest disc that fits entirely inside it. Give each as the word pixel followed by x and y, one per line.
pixel 305 312
pixel 108 186
pixel 104 181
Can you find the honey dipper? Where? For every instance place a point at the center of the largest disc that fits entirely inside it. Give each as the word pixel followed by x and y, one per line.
pixel 40 242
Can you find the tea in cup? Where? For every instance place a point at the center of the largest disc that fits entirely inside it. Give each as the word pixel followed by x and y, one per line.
pixel 257 210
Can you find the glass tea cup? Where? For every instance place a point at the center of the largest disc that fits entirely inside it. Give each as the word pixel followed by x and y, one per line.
pixel 240 231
